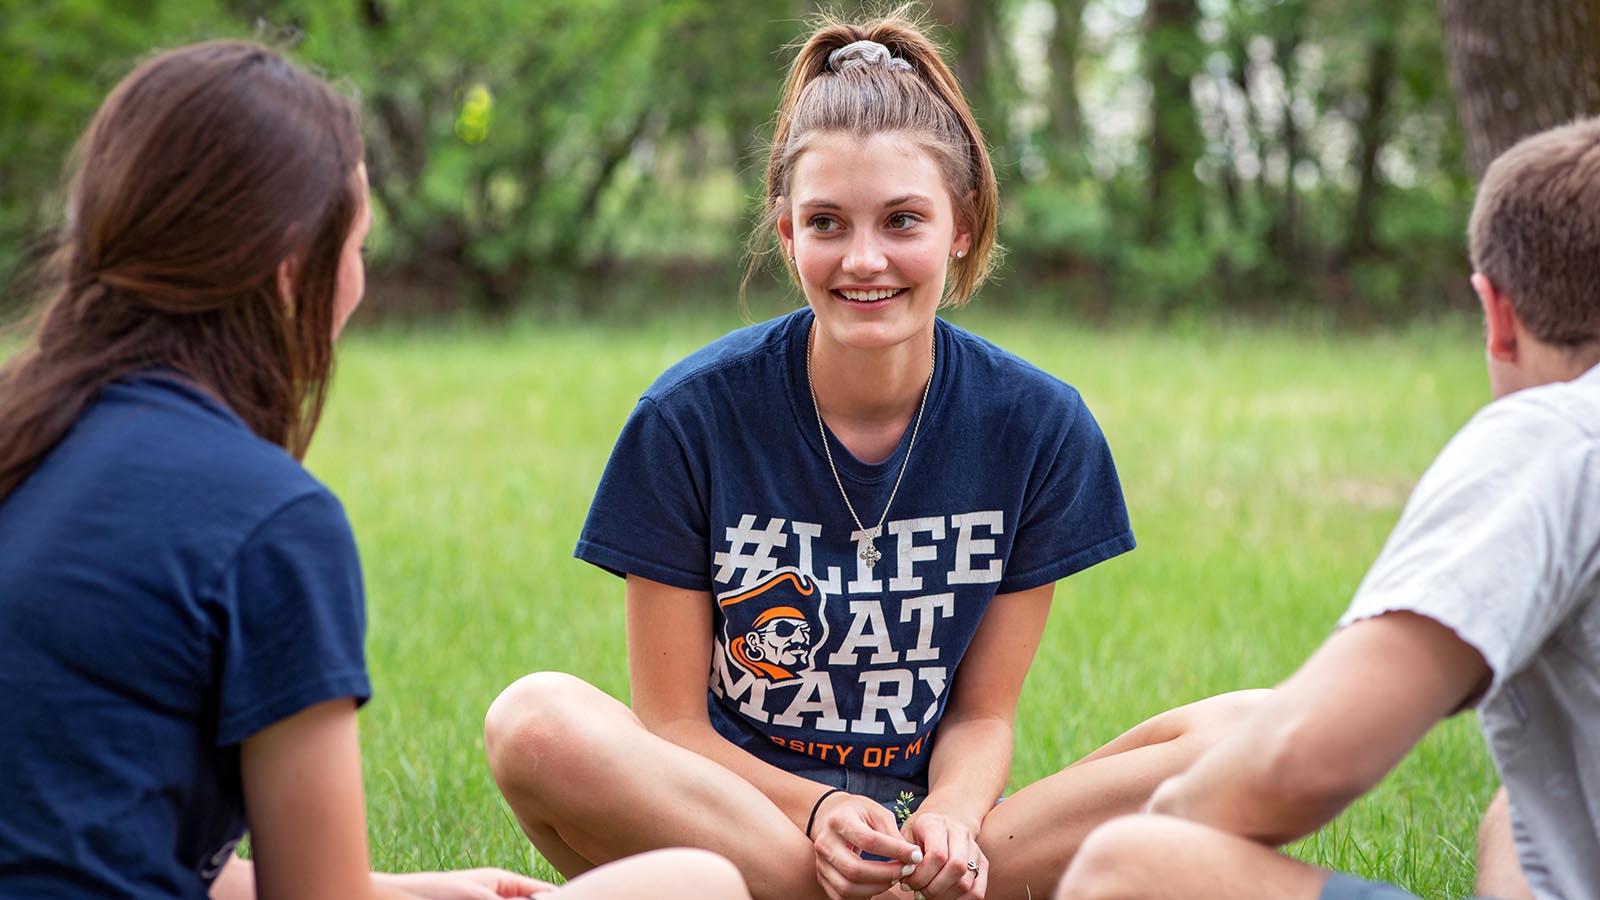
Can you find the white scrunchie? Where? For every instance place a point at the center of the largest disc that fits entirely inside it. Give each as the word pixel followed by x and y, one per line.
pixel 865 53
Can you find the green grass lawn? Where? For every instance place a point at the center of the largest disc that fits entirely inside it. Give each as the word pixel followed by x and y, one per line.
pixel 1263 469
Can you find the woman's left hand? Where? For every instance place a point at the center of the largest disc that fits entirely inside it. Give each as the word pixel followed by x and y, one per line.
pixel 948 843
pixel 466 884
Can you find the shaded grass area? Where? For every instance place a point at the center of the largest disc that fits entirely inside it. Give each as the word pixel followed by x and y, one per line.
pixel 1263 469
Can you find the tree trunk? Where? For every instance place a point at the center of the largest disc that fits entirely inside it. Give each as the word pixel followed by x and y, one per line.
pixel 1519 67
pixel 966 41
pixel 1380 79
pixel 973 27
pixel 611 156
pixel 1284 234
pixel 1241 78
pixel 1172 55
pixel 1066 114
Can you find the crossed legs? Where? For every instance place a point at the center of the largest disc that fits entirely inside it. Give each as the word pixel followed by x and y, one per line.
pixel 590 784
pixel 1035 833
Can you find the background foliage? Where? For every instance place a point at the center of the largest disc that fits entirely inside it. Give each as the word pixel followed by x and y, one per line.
pixel 593 154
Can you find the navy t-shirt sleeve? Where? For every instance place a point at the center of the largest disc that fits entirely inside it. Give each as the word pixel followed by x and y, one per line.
pixel 295 622
pixel 649 517
pixel 1073 515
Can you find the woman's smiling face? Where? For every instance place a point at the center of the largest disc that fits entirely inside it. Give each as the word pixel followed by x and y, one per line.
pixel 872 228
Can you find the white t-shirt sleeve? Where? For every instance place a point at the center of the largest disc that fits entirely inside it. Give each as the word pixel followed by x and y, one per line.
pixel 1499 540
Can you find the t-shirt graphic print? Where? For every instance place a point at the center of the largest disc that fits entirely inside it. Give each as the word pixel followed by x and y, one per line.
pixel 767 630
pixel 849 671
pixel 717 484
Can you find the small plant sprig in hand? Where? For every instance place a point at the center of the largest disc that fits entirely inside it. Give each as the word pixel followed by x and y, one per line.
pixel 902 807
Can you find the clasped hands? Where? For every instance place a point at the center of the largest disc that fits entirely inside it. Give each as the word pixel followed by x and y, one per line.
pixel 935 855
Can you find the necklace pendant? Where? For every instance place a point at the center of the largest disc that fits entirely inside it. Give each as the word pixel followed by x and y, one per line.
pixel 867 550
pixel 870 554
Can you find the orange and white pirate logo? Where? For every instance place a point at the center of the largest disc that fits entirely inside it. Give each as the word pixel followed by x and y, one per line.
pixel 774 628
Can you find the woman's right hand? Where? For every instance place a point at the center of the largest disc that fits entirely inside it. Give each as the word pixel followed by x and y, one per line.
pixel 847 825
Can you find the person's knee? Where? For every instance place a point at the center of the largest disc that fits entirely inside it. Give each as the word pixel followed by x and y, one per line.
pixel 1213 718
pixel 1201 723
pixel 1230 709
pixel 704 873
pixel 541 722
pixel 1494 830
pixel 672 874
pixel 679 873
pixel 1499 871
pixel 1115 860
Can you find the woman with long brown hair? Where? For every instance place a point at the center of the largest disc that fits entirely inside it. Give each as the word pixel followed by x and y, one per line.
pixel 181 609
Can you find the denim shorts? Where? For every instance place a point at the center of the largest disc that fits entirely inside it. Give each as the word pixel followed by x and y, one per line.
pixel 886 789
pixel 1347 887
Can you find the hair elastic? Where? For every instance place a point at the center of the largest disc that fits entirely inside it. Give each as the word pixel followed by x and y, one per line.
pixel 812 819
pixel 865 53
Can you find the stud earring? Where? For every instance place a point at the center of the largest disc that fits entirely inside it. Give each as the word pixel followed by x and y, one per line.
pixel 960 254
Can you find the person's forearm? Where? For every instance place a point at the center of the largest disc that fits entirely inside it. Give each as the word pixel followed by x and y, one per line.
pixel 1330 732
pixel 795 795
pixel 1271 781
pixel 968 768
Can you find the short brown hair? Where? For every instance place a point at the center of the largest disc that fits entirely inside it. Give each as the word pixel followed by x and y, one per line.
pixel 923 100
pixel 203 170
pixel 1535 231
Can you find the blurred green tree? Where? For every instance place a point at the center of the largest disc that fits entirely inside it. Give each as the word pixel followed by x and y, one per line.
pixel 1168 153
pixel 57 60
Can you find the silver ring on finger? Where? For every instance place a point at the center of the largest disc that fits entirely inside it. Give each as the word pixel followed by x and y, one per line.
pixel 972 866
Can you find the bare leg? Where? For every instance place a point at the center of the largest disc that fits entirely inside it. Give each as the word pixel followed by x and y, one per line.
pixel 590 785
pixel 1499 873
pixel 1162 858
pixel 1032 836
pixel 660 875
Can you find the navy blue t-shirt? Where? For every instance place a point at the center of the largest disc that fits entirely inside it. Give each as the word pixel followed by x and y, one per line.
pixel 170 584
pixel 718 483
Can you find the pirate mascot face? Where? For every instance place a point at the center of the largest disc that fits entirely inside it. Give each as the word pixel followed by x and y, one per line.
pixel 773 628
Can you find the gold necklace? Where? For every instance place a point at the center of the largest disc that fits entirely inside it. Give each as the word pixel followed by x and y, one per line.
pixel 866 548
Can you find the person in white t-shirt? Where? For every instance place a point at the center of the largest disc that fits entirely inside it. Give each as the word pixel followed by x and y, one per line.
pixel 1485 596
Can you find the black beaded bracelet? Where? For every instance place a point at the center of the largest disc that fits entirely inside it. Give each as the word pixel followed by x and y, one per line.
pixel 812 819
